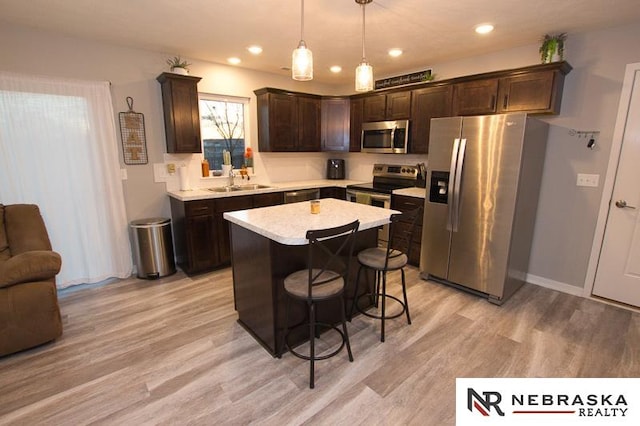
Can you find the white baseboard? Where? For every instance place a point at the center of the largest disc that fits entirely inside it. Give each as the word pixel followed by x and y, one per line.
pixel 555 285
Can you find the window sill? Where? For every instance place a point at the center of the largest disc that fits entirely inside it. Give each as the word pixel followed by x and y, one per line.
pixel 236 176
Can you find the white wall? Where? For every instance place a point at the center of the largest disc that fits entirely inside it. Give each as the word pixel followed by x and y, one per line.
pixel 566 215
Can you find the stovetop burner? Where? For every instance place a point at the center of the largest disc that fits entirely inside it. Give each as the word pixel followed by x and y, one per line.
pixel 388 177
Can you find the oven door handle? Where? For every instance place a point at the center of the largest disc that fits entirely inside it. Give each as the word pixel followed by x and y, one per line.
pixel 374 197
pixel 383 198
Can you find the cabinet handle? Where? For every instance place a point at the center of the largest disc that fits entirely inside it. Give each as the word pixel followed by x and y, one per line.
pixel 493 101
pixel 506 101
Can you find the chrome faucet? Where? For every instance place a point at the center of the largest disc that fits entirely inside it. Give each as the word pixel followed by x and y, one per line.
pixel 231 176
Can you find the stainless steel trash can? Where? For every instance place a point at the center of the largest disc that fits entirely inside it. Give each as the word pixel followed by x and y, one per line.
pixel 153 247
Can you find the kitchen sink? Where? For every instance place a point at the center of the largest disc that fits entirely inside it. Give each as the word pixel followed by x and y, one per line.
pixel 223 189
pixel 234 188
pixel 251 186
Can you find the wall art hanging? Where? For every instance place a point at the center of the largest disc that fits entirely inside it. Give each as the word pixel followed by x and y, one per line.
pixel 134 144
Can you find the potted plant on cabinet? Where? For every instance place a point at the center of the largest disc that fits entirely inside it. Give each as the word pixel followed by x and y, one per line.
pixel 552 48
pixel 178 65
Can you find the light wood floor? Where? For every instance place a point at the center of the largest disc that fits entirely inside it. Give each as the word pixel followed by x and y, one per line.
pixel 171 352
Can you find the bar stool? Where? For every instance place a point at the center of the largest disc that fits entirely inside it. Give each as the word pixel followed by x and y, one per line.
pixel 325 278
pixel 383 259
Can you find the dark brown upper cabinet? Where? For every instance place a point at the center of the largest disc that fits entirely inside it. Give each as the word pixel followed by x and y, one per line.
pixel 398 105
pixel 355 123
pixel 288 121
pixel 309 121
pixel 389 106
pixel 181 114
pixel 374 107
pixel 428 103
pixel 335 124
pixel 536 90
pixel 476 97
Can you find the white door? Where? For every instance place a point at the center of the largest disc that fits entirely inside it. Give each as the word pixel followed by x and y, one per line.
pixel 618 272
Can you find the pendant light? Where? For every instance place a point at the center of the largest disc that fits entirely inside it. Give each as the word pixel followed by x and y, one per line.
pixel 302 58
pixel 364 71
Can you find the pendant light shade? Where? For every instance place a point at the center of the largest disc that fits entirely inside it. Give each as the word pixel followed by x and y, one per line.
pixel 302 63
pixel 364 71
pixel 302 58
pixel 364 77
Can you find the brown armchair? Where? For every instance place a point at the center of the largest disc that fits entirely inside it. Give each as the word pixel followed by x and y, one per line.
pixel 29 311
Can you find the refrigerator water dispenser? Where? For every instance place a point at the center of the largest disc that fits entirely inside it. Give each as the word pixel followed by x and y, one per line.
pixel 439 187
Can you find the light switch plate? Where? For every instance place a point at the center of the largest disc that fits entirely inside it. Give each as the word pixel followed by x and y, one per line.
pixel 588 180
pixel 159 172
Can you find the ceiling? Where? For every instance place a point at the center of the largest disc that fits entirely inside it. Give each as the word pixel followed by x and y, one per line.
pixel 429 32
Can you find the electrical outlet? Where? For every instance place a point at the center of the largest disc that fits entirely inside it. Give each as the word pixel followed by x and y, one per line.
pixel 171 168
pixel 588 180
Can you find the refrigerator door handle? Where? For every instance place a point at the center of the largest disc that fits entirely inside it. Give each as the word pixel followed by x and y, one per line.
pixel 450 190
pixel 455 216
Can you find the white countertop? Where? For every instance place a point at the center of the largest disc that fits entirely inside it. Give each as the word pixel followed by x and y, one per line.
pixel 203 193
pixel 411 192
pixel 289 223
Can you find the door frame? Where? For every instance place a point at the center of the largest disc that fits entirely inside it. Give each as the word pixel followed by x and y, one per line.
pixel 611 174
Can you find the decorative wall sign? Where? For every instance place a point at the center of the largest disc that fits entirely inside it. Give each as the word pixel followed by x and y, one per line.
pixel 134 144
pixel 416 77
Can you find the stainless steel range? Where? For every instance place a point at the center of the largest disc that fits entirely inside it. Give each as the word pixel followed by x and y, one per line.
pixel 386 178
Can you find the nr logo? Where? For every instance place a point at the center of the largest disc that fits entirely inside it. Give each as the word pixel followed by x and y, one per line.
pixel 485 403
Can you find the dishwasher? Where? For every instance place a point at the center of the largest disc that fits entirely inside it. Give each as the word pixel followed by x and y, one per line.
pixel 302 195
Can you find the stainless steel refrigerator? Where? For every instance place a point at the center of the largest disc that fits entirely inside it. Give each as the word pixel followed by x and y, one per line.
pixel 483 182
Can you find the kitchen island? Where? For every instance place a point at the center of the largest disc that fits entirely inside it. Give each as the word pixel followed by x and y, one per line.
pixel 269 243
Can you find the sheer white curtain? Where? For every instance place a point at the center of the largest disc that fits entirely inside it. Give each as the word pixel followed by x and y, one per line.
pixel 59 150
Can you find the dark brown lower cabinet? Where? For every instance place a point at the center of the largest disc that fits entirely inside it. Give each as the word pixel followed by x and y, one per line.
pixel 333 192
pixel 227 204
pixel 404 203
pixel 194 231
pixel 201 234
pixel 268 199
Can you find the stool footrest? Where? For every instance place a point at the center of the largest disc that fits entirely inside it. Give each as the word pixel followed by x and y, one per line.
pixel 396 315
pixel 316 358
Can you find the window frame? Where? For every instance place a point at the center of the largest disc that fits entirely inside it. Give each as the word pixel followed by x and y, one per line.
pixel 245 101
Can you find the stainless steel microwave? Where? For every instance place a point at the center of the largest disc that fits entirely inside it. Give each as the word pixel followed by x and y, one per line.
pixel 385 137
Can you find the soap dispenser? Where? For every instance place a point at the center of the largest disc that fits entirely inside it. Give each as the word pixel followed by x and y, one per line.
pixel 205 168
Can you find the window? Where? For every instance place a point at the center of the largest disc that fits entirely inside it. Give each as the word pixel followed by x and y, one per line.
pixel 222 123
pixel 59 150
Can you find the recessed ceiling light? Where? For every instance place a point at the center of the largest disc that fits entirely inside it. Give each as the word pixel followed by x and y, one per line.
pixel 234 61
pixel 256 50
pixel 395 52
pixel 484 28
pixel 336 69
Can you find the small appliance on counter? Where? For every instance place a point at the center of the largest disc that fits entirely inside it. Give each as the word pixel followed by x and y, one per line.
pixel 335 169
